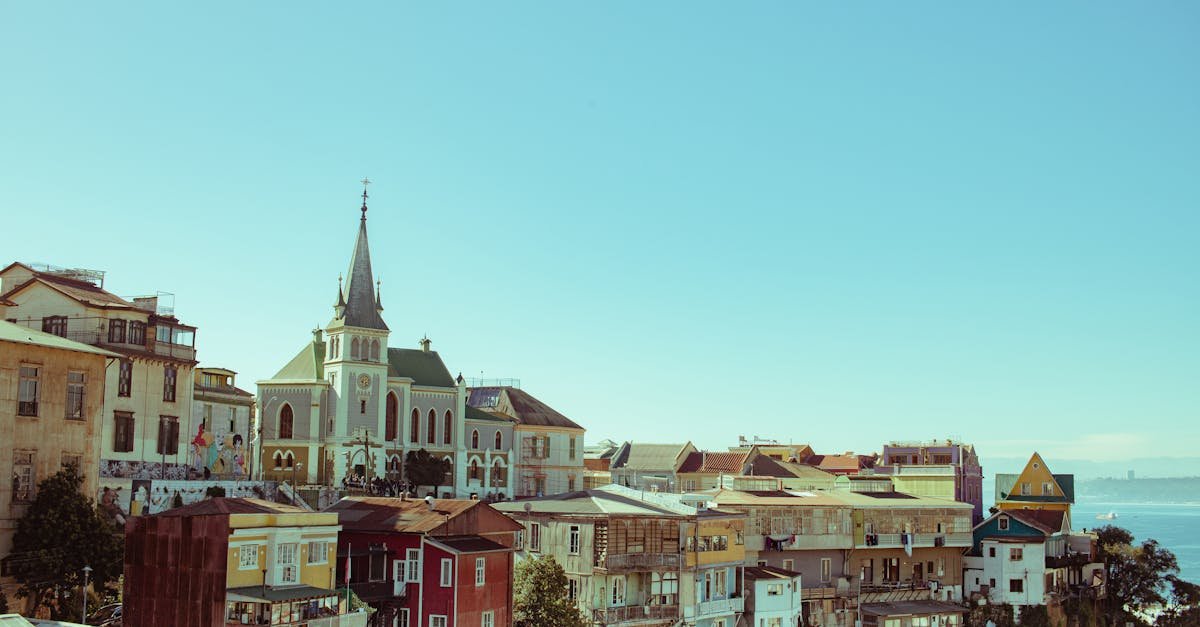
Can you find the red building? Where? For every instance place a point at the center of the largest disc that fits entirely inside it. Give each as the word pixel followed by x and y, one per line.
pixel 428 563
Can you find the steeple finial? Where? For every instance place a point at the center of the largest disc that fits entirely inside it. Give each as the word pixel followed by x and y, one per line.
pixel 365 182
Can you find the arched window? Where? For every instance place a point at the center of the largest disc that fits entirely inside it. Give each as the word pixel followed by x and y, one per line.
pixel 278 460
pixel 374 350
pixel 498 474
pixel 394 464
pixel 474 438
pixel 289 461
pixel 448 427
pixel 473 470
pixel 354 349
pixel 392 416
pixel 335 343
pixel 286 421
pixel 499 440
pixel 431 436
pixel 414 433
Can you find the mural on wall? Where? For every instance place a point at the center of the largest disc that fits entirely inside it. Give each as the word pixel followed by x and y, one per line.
pixel 120 499
pixel 217 454
pixel 129 469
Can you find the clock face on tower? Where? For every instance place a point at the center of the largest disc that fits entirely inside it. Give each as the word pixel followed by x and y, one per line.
pixel 364 381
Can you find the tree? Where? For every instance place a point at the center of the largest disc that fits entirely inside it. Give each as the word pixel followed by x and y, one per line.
pixel 540 595
pixel 1183 609
pixel 1034 616
pixel 1001 615
pixel 61 532
pixel 1136 576
pixel 423 468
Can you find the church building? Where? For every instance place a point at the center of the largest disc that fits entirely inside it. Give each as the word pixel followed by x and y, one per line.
pixel 350 405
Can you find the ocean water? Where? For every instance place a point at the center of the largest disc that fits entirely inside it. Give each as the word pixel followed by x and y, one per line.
pixel 1175 527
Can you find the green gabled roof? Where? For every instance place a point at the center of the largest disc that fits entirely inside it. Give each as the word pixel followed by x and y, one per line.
pixel 307 365
pixel 479 414
pixel 423 367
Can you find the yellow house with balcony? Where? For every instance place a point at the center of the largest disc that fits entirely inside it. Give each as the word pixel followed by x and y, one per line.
pixel 234 562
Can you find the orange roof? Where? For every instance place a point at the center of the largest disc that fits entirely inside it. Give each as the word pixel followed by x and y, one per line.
pixel 703 461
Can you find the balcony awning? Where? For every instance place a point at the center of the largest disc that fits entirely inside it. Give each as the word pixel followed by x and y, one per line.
pixel 911 608
pixel 256 594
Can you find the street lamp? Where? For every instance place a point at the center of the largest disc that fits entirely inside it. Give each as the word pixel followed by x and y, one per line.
pixel 257 435
pixel 295 467
pixel 86 571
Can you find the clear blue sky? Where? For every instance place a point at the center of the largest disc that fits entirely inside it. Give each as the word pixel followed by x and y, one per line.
pixel 829 222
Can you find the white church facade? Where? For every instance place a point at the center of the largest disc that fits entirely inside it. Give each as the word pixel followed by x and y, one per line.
pixel 350 405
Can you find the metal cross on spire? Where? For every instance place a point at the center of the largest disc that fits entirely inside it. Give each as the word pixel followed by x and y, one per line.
pixel 365 182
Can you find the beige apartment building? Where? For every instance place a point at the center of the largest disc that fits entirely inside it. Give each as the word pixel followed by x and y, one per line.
pixel 51 398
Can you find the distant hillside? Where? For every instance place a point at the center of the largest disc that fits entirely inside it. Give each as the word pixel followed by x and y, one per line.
pixel 1176 490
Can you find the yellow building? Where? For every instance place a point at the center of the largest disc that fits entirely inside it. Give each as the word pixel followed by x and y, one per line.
pixel 243 561
pixel 1035 487
pixel 51 399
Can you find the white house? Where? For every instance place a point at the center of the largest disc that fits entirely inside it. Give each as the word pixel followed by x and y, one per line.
pixel 772 596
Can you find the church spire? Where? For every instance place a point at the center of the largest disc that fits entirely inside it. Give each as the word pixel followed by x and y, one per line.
pixel 358 292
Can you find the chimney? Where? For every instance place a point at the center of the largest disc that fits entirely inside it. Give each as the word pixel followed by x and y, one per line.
pixel 425 342
pixel 318 336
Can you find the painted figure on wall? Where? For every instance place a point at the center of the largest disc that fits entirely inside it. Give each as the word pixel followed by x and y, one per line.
pixel 110 505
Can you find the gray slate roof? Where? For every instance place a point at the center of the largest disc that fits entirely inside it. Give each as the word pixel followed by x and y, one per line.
pixel 359 288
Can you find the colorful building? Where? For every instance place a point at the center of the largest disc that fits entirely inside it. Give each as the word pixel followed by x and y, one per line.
pixel 1031 557
pixel 428 562
pixel 1035 487
pixel 772 597
pixel 943 469
pixel 51 403
pixel 223 418
pixel 548 446
pixel 234 561
pixel 640 558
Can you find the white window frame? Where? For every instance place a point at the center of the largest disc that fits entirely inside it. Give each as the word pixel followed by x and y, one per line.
pixel 480 571
pixel 573 540
pixel 535 537
pixel 412 566
pixel 248 557
pixel 318 552
pixel 287 561
pixel 488 619
pixel 826 570
pixel 1002 523
pixel 402 617
pixel 446 578
pixel 438 620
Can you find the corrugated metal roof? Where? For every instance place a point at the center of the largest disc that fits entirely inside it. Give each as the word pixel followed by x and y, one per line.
pixel 392 514
pixel 222 506
pixel 649 456
pixel 18 334
pixel 705 461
